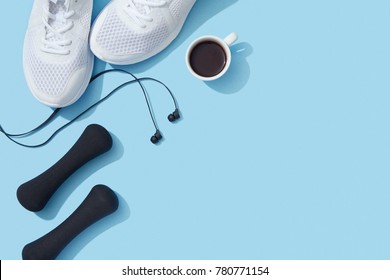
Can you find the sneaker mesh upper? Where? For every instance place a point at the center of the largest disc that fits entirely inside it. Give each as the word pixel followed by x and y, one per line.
pixel 85 19
pixel 51 78
pixel 140 8
pixel 116 37
pixel 176 8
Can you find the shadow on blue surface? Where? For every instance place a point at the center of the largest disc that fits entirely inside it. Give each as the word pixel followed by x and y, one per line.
pixel 121 215
pixel 98 7
pixel 59 198
pixel 238 74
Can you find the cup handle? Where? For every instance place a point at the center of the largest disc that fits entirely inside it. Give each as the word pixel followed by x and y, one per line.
pixel 229 40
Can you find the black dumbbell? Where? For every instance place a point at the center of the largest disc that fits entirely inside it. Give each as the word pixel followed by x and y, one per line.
pixel 99 203
pixel 94 141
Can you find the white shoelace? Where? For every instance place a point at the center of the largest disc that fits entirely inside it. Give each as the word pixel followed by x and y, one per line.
pixel 138 17
pixel 54 41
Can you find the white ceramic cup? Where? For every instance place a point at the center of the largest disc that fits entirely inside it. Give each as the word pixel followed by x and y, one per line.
pixel 224 43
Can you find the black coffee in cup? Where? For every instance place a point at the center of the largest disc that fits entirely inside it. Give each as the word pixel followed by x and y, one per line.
pixel 208 59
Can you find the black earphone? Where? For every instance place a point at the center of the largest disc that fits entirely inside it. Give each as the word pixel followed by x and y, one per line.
pixel 175 115
pixel 156 137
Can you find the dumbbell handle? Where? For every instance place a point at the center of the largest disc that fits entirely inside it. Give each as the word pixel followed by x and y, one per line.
pixel 100 202
pixel 35 194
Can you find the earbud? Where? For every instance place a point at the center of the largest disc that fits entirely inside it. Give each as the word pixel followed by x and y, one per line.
pixel 174 116
pixel 156 137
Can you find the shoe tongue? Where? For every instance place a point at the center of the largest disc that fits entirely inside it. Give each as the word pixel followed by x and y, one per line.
pixel 58 8
pixel 144 9
pixel 56 1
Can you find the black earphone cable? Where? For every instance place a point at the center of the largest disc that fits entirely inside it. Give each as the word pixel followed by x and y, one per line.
pixel 73 120
pixel 148 103
pixel 39 127
pixel 129 73
pixel 55 112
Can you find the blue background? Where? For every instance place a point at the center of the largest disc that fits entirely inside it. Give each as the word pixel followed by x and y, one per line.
pixel 286 157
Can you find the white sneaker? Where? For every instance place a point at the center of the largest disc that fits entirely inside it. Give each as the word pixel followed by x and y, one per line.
pixel 57 60
pixel 130 31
